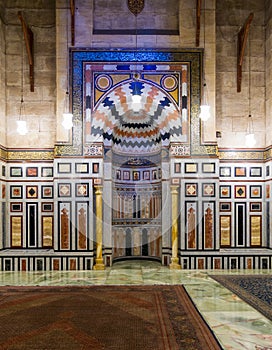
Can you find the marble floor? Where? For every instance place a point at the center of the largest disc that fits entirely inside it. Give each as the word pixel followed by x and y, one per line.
pixel 235 324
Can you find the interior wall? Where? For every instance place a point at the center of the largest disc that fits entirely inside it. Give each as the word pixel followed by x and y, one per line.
pixel 39 106
pixel 2 77
pixel 103 15
pixel 232 107
pixel 268 68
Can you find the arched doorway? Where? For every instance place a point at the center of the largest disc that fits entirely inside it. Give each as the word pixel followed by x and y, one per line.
pixel 137 205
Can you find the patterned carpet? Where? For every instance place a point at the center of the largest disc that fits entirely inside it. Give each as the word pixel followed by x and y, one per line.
pixel 256 290
pixel 101 317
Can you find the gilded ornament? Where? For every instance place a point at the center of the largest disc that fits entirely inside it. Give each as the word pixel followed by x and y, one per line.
pixel 135 6
pixel 241 155
pixel 30 155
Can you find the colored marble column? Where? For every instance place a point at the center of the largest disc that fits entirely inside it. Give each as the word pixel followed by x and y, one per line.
pixel 174 259
pixel 99 263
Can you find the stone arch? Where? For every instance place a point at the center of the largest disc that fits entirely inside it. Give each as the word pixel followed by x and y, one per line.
pixel 157 115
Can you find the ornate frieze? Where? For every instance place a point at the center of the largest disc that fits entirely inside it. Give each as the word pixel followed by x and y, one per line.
pixel 29 155
pixel 242 155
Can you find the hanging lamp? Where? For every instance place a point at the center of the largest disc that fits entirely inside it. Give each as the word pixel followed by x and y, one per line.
pixel 250 140
pixel 67 121
pixel 135 8
pixel 204 107
pixel 21 124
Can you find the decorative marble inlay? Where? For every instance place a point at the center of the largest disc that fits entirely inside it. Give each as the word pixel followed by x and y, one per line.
pixel 3 191
pixel 169 82
pixel 191 189
pixel 225 230
pixel 93 150
pixel 217 263
pixel 82 228
pixel 82 190
pixel 200 264
pixel 208 189
pixel 267 191
pixel 72 264
pixel 229 323
pixel 240 191
pixel 32 191
pixel 208 226
pixel 116 65
pixel 119 122
pixel 56 264
pixel 64 190
pixel 179 150
pixel 103 82
pixel 64 229
pixel 191 227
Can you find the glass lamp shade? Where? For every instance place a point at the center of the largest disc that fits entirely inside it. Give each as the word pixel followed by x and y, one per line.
pixel 21 127
pixel 136 98
pixel 67 122
pixel 204 112
pixel 136 103
pixel 250 140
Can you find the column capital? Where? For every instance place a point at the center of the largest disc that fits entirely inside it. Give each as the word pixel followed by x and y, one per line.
pixel 174 189
pixel 98 189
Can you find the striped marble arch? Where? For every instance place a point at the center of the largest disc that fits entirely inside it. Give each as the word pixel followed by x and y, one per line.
pixel 137 127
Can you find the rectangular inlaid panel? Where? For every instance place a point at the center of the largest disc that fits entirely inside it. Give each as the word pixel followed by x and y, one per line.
pixel 65 224
pixel 56 264
pixel 3 191
pixel 72 264
pixel 240 225
pixel 23 265
pixel 16 231
pixel 3 215
pixel 200 264
pixel 191 224
pixel 82 225
pixel 255 230
pixel 208 224
pixel 32 224
pixel 217 263
pixel 225 230
pixel 47 231
pixel 249 264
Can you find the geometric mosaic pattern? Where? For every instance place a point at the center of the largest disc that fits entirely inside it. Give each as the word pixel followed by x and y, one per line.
pixel 114 119
pixel 136 127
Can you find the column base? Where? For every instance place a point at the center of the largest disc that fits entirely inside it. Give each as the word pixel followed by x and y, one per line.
pixel 99 264
pixel 175 264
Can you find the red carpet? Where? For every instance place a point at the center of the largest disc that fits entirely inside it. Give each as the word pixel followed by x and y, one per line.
pixel 101 317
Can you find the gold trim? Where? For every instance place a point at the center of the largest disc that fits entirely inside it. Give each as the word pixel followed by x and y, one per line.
pixel 241 155
pixel 3 154
pixel 70 150
pixel 23 154
pixel 30 155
